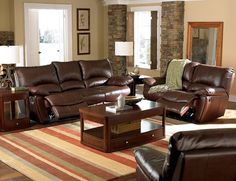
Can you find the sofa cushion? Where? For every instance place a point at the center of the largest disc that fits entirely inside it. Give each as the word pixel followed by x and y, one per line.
pixel 44 89
pixel 112 92
pixel 120 80
pixel 178 96
pixel 91 95
pixel 69 75
pixel 64 98
pixel 31 76
pixel 68 110
pixel 95 81
pixel 95 72
pixel 197 86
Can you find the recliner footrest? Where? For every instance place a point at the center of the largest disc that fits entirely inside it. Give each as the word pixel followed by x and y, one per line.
pixel 67 111
pixel 178 101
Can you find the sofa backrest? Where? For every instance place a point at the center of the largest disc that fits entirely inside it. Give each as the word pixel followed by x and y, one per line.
pixel 201 153
pixel 188 74
pixel 42 77
pixel 69 75
pixel 212 76
pixel 96 72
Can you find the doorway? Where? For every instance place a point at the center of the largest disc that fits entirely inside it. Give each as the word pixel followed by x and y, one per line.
pixel 48 33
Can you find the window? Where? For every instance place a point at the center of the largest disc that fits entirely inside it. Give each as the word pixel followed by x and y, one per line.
pixel 142 38
pixel 146 36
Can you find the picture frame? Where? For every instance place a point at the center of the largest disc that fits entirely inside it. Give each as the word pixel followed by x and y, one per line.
pixel 83 43
pixel 83 19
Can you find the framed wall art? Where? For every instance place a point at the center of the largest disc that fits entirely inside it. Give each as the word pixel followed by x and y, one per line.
pixel 83 43
pixel 83 19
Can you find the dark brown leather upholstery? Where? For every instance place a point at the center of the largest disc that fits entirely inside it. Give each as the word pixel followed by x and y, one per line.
pixel 42 79
pixel 193 155
pixel 59 89
pixel 205 90
pixel 69 75
pixel 96 73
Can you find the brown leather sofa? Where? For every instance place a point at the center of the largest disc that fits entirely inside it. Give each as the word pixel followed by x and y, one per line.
pixel 61 88
pixel 202 155
pixel 205 92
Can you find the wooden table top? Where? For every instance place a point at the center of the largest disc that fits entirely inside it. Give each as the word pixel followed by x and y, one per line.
pixel 144 108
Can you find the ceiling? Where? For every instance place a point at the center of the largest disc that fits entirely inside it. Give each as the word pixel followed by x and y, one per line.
pixel 108 2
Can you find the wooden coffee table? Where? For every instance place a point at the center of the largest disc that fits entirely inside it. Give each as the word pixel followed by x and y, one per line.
pixel 101 136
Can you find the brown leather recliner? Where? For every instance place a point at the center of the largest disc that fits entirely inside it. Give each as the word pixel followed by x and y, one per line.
pixel 205 91
pixel 202 155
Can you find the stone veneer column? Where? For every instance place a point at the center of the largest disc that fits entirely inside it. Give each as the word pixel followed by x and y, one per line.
pixel 116 32
pixel 172 32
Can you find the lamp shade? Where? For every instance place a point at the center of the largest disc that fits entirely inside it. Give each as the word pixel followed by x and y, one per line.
pixel 9 54
pixel 123 48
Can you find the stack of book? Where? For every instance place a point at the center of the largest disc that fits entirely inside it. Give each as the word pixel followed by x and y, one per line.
pixel 115 109
pixel 126 127
pixel 13 89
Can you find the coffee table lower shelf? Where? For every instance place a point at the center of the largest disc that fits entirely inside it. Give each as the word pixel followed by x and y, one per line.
pixel 148 132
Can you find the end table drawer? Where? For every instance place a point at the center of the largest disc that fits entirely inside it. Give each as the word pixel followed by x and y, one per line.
pixel 15 124
pixel 135 140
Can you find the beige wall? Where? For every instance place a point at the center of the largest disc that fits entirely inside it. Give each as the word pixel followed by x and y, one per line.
pixel 96 24
pixel 216 10
pixel 6 15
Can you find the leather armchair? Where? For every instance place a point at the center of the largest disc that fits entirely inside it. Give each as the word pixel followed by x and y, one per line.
pixel 192 156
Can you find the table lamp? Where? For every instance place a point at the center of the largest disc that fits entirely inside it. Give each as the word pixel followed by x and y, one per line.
pixel 9 56
pixel 124 49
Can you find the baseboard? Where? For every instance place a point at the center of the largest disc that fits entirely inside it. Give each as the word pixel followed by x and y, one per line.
pixel 232 98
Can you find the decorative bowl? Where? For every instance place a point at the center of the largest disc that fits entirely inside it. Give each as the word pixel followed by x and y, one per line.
pixel 132 100
pixel 133 75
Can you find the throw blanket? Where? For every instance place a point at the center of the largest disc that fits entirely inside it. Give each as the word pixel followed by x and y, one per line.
pixel 173 76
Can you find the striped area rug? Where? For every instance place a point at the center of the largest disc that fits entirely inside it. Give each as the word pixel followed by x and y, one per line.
pixel 55 153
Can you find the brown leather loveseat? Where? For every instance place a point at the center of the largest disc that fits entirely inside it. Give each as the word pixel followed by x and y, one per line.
pixel 201 155
pixel 61 88
pixel 205 92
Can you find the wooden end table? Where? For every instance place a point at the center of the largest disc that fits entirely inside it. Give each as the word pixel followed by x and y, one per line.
pixel 137 81
pixel 103 139
pixel 14 109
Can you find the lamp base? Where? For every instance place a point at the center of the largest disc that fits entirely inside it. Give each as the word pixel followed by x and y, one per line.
pixel 6 75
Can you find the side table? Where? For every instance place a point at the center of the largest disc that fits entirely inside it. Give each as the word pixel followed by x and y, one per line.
pixel 137 80
pixel 14 109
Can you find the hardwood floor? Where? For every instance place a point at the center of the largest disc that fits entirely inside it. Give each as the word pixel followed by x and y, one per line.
pixel 9 174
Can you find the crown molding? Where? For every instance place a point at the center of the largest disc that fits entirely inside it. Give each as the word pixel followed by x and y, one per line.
pixel 127 2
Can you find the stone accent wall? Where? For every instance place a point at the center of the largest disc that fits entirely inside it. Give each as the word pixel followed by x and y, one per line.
pixel 116 32
pixel 172 32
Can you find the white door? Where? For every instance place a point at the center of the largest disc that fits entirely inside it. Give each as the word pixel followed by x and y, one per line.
pixel 47 33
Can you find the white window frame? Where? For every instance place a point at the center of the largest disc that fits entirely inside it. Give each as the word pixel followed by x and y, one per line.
pixel 158 9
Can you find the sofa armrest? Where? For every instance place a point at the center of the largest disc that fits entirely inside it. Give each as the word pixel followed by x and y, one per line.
pixel 214 91
pixel 150 162
pixel 120 80
pixel 152 81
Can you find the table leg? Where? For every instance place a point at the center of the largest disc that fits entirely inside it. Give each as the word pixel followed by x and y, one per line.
pixel 163 120
pixel 107 136
pixel 81 127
